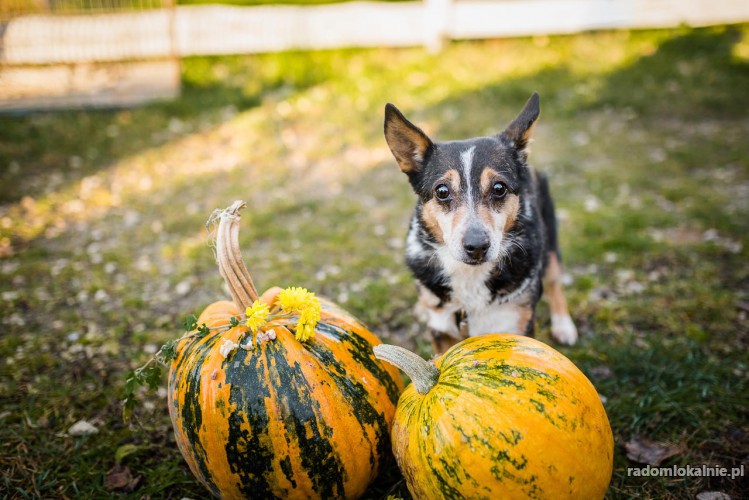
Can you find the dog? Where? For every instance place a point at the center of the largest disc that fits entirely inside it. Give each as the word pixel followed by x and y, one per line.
pixel 482 242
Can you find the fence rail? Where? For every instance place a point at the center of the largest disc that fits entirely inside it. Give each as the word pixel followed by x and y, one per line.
pixel 218 29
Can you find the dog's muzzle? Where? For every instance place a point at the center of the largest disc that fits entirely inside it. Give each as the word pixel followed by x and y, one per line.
pixel 475 245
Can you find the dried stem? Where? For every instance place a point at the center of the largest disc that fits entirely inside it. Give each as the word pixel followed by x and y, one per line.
pixel 229 257
pixel 422 373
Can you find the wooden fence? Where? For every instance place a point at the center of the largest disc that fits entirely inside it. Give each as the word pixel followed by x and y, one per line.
pixel 58 41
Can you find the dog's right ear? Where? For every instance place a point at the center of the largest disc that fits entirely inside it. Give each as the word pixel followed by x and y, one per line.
pixel 408 143
pixel 519 131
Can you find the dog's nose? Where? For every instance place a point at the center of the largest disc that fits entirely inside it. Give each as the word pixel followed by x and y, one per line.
pixel 476 243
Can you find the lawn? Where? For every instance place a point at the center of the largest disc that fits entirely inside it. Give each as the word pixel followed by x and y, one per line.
pixel 103 249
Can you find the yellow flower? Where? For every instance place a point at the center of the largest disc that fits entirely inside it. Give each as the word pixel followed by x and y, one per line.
pixel 308 319
pixel 257 315
pixel 294 299
pixel 303 302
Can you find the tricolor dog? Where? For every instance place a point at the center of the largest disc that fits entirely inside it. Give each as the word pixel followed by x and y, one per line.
pixel 482 243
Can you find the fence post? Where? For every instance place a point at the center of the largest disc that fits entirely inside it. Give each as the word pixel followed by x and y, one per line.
pixel 436 22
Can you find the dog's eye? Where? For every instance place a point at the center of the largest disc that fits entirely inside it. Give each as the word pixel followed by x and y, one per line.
pixel 442 192
pixel 499 190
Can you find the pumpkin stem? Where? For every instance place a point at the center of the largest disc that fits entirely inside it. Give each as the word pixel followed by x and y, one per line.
pixel 229 257
pixel 422 373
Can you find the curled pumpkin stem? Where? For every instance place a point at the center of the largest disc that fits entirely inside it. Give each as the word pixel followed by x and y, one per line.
pixel 229 257
pixel 423 374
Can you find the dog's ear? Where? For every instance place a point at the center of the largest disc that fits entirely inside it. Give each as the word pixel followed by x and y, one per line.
pixel 408 143
pixel 519 131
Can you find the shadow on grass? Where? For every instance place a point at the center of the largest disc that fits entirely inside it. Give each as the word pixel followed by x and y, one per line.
pixel 698 67
pixel 46 151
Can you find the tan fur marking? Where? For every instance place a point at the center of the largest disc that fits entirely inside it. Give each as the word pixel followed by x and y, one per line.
pixel 486 215
pixel 511 208
pixel 441 343
pixel 563 329
pixel 426 299
pixel 525 314
pixel 527 137
pixel 452 177
pixel 488 177
pixel 553 286
pixel 429 216
pixel 407 145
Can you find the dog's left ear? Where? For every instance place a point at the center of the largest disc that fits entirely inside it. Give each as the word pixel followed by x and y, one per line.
pixel 408 143
pixel 519 131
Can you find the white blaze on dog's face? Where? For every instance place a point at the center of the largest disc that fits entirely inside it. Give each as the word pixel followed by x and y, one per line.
pixel 474 201
pixel 470 191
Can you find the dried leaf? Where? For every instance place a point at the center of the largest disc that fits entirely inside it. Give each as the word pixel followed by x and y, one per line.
pixel 643 450
pixel 119 477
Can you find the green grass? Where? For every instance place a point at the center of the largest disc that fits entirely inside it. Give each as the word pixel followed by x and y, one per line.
pixel 104 251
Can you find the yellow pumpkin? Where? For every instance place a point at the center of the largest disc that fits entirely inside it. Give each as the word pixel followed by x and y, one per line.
pixel 287 418
pixel 500 416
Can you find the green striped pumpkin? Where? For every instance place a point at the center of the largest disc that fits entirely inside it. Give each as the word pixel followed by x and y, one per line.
pixel 287 419
pixel 500 416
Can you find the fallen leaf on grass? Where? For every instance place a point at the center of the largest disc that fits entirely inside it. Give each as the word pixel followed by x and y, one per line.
pixel 644 450
pixel 119 477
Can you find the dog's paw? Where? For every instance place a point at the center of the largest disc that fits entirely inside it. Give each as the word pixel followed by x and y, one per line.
pixel 563 330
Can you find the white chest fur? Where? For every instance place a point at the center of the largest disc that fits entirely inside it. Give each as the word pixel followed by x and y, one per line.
pixel 498 318
pixel 468 283
pixel 470 293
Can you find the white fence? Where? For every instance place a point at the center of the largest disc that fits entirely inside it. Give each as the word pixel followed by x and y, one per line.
pixel 217 29
pixel 123 59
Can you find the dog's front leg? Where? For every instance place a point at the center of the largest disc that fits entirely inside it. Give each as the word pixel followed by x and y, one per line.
pixel 563 329
pixel 442 320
